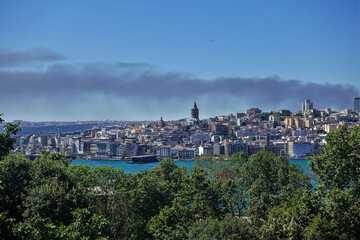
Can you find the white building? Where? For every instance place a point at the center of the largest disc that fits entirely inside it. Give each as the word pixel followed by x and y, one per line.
pixel 204 150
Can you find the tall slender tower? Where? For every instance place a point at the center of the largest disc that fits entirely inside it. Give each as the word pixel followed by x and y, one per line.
pixel 195 112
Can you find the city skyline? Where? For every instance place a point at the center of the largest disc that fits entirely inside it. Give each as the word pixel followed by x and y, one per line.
pixel 133 61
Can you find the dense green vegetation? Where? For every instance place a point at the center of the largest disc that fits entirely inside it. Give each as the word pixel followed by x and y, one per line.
pixel 242 197
pixel 264 116
pixel 6 142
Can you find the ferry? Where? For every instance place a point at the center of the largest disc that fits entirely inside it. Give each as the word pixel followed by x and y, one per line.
pixel 143 159
pixel 103 158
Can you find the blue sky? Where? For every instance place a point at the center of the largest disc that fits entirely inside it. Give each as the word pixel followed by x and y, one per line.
pixel 316 43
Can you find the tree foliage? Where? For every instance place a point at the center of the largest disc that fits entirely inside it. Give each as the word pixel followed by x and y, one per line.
pixel 338 166
pixel 264 116
pixel 228 228
pixel 261 196
pixel 267 180
pixel 15 177
pixel 6 142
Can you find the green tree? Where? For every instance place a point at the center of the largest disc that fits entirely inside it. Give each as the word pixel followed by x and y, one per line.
pixel 129 201
pixel 172 222
pixel 338 171
pixel 228 228
pixel 317 114
pixel 15 177
pixel 198 198
pixel 227 172
pixel 267 181
pixel 82 175
pixel 280 227
pixel 202 193
pixel 220 166
pixel 52 192
pixel 214 165
pixel 338 165
pixel 6 142
pixel 6 227
pixel 37 228
pixel 85 226
pixel 264 116
pixel 338 217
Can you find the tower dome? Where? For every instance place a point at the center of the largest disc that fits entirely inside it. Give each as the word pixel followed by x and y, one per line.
pixel 195 112
pixel 161 123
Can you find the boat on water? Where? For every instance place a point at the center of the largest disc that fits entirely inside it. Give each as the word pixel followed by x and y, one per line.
pixel 143 159
pixel 103 158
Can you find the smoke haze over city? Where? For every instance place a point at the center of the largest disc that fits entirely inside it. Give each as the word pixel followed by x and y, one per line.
pixel 142 61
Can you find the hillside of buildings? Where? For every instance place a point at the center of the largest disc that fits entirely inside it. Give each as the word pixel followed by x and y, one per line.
pixel 293 134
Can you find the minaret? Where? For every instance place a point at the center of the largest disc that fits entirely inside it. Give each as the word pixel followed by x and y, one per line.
pixel 195 112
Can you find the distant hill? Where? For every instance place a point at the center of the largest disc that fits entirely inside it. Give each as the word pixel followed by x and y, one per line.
pixel 56 129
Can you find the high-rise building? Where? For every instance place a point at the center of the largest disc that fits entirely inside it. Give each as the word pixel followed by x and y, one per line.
pixel 357 103
pixel 307 105
pixel 195 112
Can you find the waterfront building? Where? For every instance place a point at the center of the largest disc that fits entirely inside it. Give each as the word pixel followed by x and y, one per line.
pixel 252 149
pixel 300 149
pixel 111 148
pixel 163 151
pixel 120 151
pixel 204 150
pixel 233 147
pixel 139 149
pixel 43 140
pixel 182 153
pixel 218 149
pixel 86 147
pixel 101 148
pixel 77 146
pixel 93 148
pixel 277 149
